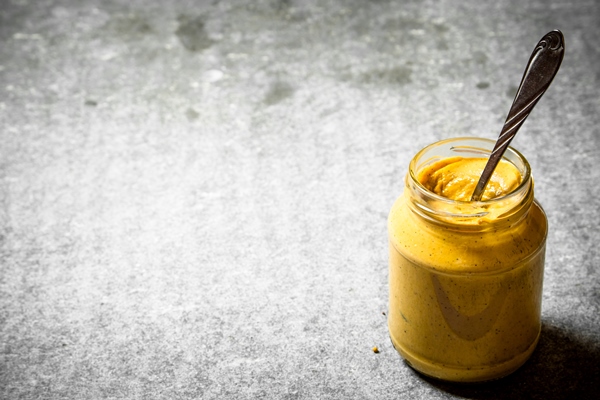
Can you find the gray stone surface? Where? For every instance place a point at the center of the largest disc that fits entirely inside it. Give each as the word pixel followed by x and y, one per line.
pixel 193 195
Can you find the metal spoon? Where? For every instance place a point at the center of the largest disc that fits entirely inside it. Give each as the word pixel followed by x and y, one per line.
pixel 541 69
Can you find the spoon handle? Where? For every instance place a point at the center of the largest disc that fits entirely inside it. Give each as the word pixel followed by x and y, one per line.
pixel 539 73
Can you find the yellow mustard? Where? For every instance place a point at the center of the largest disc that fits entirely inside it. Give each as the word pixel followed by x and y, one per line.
pixel 456 177
pixel 465 278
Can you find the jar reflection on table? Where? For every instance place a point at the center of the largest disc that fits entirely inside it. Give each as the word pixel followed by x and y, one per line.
pixel 465 278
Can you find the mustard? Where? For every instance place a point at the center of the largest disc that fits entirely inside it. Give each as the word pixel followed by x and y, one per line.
pixel 456 177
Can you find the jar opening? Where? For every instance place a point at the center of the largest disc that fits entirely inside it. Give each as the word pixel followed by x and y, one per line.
pixel 440 208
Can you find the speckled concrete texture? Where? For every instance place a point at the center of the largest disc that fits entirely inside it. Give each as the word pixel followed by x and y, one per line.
pixel 193 194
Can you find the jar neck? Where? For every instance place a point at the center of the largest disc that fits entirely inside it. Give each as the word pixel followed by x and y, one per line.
pixel 491 214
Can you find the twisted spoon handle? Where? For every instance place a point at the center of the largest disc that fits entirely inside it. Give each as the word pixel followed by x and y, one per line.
pixel 539 73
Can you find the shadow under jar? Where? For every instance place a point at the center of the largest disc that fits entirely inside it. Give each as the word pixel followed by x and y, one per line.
pixel 465 278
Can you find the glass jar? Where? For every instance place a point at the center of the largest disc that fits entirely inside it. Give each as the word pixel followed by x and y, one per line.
pixel 465 278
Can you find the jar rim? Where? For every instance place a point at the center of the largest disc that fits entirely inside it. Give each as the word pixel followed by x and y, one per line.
pixel 485 151
pixel 477 215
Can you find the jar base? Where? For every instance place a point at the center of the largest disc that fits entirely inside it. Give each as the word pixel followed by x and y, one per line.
pixel 465 374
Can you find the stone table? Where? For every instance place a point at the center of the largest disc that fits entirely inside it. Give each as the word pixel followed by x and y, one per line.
pixel 194 193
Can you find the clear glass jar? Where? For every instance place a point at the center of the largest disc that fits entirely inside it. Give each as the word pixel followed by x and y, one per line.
pixel 465 278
